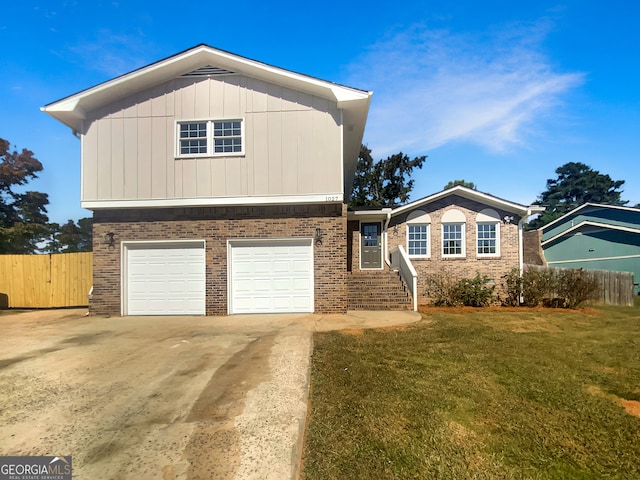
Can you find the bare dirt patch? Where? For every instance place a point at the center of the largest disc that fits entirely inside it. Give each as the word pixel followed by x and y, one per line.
pixel 632 407
pixel 352 331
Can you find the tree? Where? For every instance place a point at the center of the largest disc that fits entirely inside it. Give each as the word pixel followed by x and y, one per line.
pixel 23 214
pixel 576 185
pixel 385 183
pixel 463 183
pixel 70 238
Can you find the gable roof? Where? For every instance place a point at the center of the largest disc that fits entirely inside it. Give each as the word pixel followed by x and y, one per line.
pixel 354 103
pixel 582 207
pixel 468 193
pixel 589 223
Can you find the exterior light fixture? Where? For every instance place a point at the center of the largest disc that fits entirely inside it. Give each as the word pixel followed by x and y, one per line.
pixel 110 239
pixel 318 236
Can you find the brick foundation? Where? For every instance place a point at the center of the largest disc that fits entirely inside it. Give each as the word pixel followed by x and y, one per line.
pixel 216 225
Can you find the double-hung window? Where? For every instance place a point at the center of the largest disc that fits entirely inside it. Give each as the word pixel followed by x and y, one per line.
pixel 487 239
pixel 454 234
pixel 488 233
pixel 453 240
pixel 418 234
pixel 418 240
pixel 209 138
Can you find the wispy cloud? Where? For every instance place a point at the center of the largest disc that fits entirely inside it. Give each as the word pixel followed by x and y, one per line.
pixel 113 54
pixel 433 87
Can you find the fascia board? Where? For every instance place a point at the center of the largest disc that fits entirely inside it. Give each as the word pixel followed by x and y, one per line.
pixel 146 77
pixel 368 214
pixel 596 205
pixel 588 223
pixel 470 194
pixel 568 214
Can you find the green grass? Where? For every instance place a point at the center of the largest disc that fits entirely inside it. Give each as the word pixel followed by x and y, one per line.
pixel 479 395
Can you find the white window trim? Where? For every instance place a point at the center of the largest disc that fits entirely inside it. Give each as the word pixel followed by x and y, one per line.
pixel 210 137
pixel 428 225
pixel 463 241
pixel 488 255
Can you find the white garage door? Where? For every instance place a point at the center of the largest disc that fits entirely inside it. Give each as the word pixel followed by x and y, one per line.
pixel 271 277
pixel 165 279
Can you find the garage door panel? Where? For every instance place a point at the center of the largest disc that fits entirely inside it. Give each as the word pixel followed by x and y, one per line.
pixel 281 266
pixel 260 285
pixel 301 285
pixel 301 266
pixel 281 285
pixel 261 266
pixel 166 279
pixel 271 278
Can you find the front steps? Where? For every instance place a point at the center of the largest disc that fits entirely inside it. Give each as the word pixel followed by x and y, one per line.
pixel 377 290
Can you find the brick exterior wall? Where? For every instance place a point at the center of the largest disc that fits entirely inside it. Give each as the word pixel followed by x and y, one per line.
pixel 493 267
pixel 353 245
pixel 532 245
pixel 216 225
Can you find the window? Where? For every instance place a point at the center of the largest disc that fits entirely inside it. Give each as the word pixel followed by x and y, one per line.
pixel 453 239
pixel 227 136
pixel 453 233
pixel 488 233
pixel 210 137
pixel 487 236
pixel 418 234
pixel 418 240
pixel 193 138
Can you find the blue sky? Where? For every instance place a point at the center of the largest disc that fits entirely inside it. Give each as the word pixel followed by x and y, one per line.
pixel 498 93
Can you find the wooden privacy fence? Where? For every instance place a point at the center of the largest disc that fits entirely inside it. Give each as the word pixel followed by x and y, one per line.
pixel 45 281
pixel 615 288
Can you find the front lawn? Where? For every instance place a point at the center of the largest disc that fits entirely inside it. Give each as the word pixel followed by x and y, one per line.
pixel 531 394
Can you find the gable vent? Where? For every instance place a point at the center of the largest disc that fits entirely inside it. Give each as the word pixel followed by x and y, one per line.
pixel 207 72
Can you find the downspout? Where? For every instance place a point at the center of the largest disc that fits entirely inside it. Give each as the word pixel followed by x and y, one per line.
pixel 387 257
pixel 521 241
pixel 521 246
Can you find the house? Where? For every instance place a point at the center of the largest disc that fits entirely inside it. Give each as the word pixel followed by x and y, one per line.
pixel 595 237
pixel 457 232
pixel 217 185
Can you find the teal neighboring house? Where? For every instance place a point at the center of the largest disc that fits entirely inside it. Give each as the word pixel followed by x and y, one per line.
pixel 595 237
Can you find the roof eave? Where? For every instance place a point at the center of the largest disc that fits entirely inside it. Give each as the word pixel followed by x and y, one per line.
pixel 163 70
pixel 589 223
pixel 522 210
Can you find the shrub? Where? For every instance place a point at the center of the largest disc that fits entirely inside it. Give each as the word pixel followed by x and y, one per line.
pixel 474 292
pixel 536 286
pixel 575 287
pixel 445 290
pixel 512 286
pixel 441 289
pixel 553 288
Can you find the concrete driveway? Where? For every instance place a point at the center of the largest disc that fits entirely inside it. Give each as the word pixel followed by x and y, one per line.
pixel 163 397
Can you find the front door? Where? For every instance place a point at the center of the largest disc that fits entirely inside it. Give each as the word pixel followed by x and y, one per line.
pixel 370 245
